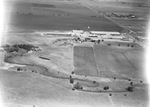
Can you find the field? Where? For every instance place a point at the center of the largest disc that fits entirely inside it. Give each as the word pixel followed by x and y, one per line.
pixel 62 16
pixel 84 61
pixel 68 73
pixel 69 15
pixel 122 61
pixel 139 8
pixel 43 82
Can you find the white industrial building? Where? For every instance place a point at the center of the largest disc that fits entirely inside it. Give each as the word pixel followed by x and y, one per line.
pixel 105 33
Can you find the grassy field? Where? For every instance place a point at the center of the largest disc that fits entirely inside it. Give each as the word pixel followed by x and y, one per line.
pixel 84 61
pixel 44 82
pixel 109 61
pixel 68 15
pixel 113 62
pixel 65 16
pixel 139 8
pixel 121 61
pixel 47 82
pixel 32 89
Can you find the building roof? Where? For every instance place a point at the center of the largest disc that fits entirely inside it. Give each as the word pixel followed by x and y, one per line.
pixel 104 32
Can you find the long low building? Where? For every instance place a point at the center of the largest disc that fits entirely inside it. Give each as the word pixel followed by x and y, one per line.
pixel 105 32
pixel 82 33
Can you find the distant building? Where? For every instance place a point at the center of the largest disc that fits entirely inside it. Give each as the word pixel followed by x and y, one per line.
pixel 105 33
pixel 77 32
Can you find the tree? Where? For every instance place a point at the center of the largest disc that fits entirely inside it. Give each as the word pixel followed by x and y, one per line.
pixel 71 80
pixel 18 69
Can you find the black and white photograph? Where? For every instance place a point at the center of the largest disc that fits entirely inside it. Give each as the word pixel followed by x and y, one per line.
pixel 74 53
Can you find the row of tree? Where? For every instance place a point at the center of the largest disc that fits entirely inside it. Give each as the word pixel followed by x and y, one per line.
pixel 18 47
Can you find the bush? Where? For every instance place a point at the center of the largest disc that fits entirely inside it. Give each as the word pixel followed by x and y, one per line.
pixel 71 80
pixel 18 69
pixel 106 88
pixel 130 89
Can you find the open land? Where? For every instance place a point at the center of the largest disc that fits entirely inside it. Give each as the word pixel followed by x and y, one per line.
pixel 38 81
pixel 61 17
pixel 39 70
